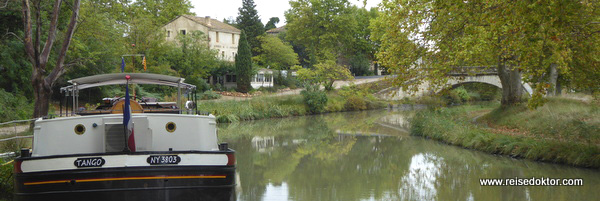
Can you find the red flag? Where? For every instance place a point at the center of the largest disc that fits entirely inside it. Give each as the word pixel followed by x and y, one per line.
pixel 127 120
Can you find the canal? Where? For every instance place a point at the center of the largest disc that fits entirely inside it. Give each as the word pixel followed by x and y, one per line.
pixel 370 155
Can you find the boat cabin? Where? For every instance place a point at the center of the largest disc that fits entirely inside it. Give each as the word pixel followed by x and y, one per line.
pixel 158 126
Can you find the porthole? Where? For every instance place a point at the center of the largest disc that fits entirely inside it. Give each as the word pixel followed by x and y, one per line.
pixel 171 127
pixel 79 129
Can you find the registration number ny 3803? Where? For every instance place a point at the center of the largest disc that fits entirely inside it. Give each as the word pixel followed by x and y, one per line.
pixel 163 159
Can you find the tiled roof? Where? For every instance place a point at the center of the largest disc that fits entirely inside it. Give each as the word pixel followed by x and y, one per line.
pixel 277 30
pixel 213 24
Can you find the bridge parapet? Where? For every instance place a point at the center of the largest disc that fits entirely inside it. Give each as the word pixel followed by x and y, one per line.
pixel 473 70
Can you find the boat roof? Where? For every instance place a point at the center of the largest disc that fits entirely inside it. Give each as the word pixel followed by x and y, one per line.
pixel 119 78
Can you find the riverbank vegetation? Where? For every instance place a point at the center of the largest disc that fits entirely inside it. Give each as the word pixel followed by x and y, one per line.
pixel 6 179
pixel 310 101
pixel 562 131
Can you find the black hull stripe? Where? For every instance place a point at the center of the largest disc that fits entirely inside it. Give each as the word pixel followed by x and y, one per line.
pixel 129 189
pixel 129 178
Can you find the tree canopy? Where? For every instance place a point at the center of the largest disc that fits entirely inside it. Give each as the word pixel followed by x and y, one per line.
pixel 271 24
pixel 243 64
pixel 275 54
pixel 425 39
pixel 321 26
pixel 249 21
pixel 324 73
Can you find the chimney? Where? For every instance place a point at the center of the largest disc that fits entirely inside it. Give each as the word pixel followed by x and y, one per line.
pixel 207 20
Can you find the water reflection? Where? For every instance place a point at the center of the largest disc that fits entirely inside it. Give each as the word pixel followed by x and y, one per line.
pixel 369 156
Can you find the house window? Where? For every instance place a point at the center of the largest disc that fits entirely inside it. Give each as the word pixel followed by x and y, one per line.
pixel 183 32
pixel 217 35
pixel 260 78
pixel 168 33
pixel 268 78
pixel 230 78
pixel 232 39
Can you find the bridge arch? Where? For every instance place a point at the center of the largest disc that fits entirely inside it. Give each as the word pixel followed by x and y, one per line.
pixel 487 79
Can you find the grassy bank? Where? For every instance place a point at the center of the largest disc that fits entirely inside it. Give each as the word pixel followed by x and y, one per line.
pixel 562 131
pixel 283 106
pixel 310 101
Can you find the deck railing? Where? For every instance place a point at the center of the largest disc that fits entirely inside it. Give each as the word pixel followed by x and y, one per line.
pixel 15 130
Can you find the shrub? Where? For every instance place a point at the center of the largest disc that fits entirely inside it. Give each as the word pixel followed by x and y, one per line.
pixel 14 107
pixel 209 95
pixel 335 104
pixel 314 99
pixel 6 181
pixel 355 103
pixel 462 93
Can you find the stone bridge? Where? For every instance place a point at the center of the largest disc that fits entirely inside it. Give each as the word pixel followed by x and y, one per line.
pixel 458 76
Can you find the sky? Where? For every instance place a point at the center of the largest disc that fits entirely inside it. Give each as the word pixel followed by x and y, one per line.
pixel 219 9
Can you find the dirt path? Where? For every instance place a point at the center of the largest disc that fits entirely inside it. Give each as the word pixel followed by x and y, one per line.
pixel 10 130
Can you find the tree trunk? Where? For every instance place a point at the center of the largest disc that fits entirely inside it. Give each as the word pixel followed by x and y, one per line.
pixel 553 78
pixel 42 94
pixel 510 78
pixel 42 81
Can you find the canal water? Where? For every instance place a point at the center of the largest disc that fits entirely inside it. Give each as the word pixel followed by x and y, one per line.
pixel 370 155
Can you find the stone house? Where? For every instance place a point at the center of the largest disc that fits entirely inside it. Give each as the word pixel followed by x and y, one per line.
pixel 221 36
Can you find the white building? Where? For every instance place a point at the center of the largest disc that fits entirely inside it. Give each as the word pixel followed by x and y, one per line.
pixel 221 36
pixel 263 78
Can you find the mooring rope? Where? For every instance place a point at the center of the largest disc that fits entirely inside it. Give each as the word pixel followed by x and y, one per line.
pixel 9 162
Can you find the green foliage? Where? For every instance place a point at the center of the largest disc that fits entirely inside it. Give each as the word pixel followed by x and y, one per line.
pixel 454 126
pixel 282 80
pixel 537 99
pixel 209 95
pixel 13 67
pixel 190 56
pixel 560 119
pixel 324 74
pixel 314 99
pixel 483 92
pixel 14 107
pixel 6 180
pixel 255 108
pixel 443 34
pixel 355 103
pixel 243 65
pixel 320 26
pixel 293 105
pixel 248 21
pixel 359 65
pixel 275 54
pixel 271 23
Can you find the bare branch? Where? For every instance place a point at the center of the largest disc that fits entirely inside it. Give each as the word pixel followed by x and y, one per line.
pixel 59 69
pixel 12 34
pixel 27 28
pixel 5 4
pixel 51 35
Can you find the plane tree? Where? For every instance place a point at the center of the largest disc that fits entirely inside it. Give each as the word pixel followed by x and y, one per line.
pixel 423 40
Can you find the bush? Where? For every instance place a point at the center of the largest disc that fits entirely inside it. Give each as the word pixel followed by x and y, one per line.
pixel 209 95
pixel 335 104
pixel 314 99
pixel 6 181
pixel 14 107
pixel 355 103
pixel 486 92
pixel 462 93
